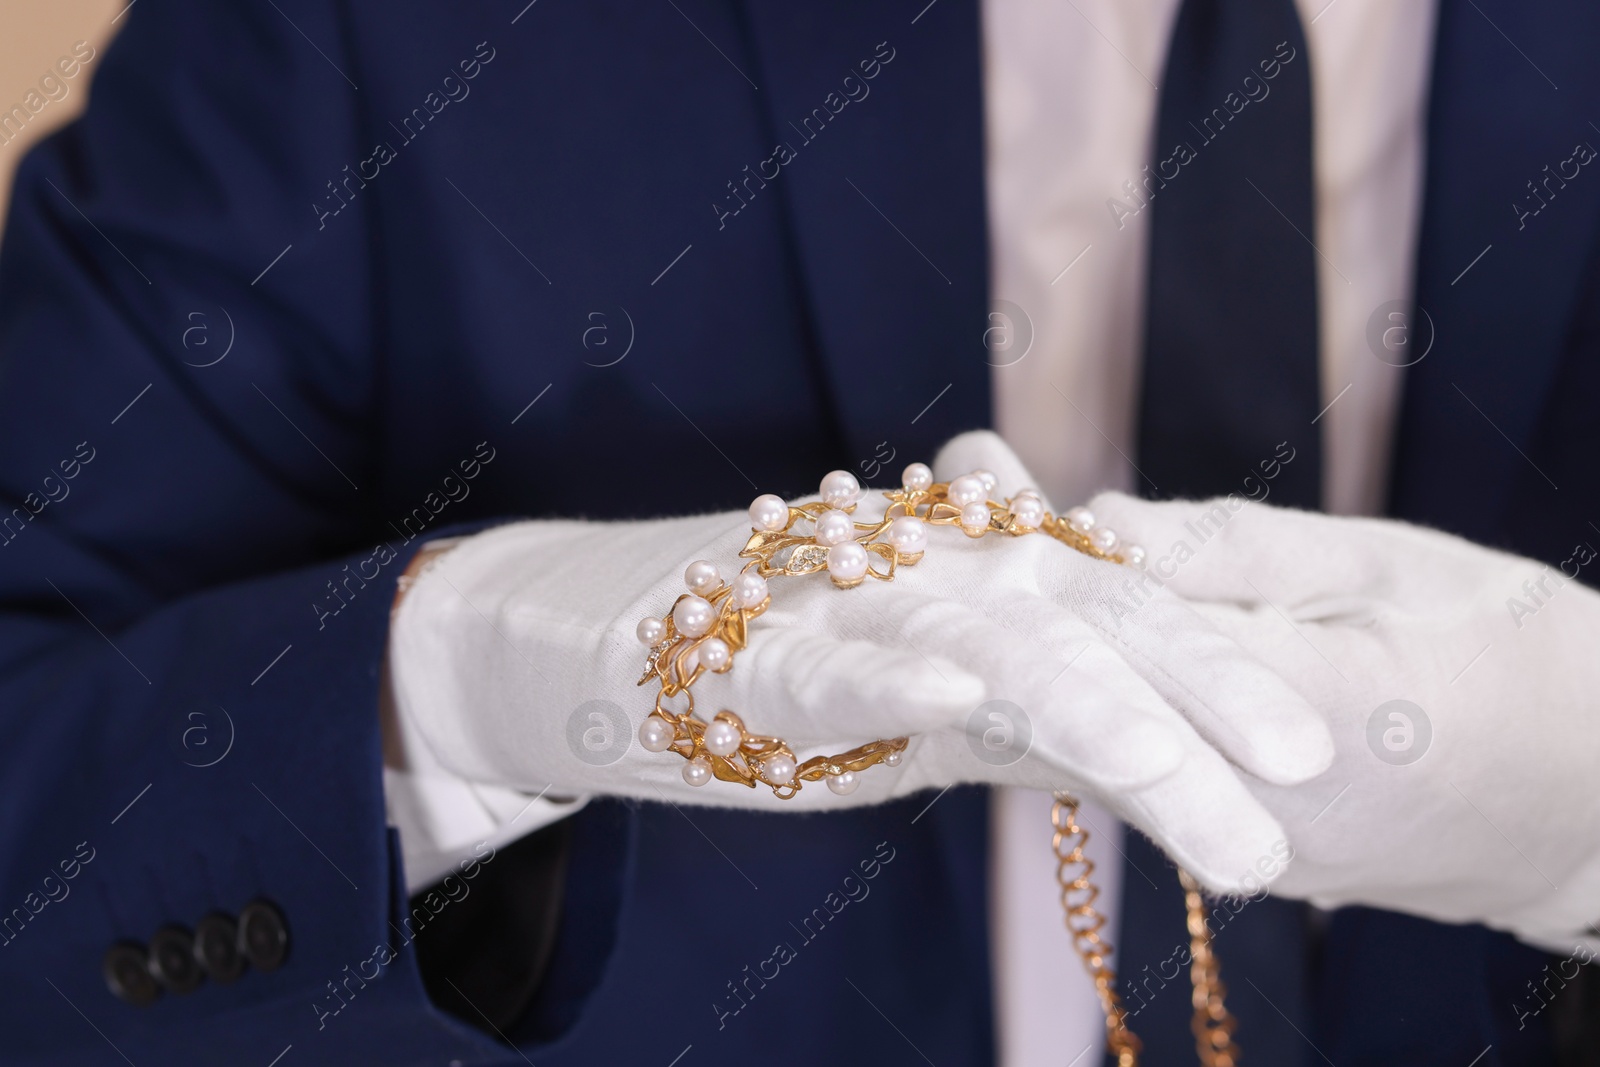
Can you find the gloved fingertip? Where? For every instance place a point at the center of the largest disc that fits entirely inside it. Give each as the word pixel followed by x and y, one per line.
pixel 983 450
pixel 964 451
pixel 1246 864
pixel 1128 514
pixel 1298 755
pixel 1250 714
pixel 1289 745
pixel 1113 498
pixel 1210 825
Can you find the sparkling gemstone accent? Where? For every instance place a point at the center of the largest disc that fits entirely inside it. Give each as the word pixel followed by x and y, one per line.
pixel 807 559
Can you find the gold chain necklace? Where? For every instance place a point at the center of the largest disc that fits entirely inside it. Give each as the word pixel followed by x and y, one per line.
pixel 1213 1024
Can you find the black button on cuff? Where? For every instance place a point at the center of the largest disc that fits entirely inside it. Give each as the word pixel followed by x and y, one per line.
pixel 172 961
pixel 127 974
pixel 216 947
pixel 263 935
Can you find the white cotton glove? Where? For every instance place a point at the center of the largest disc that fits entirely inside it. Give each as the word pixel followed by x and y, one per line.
pixel 1474 799
pixel 515 660
pixel 1055 646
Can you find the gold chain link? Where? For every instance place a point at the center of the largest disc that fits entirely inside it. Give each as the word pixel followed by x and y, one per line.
pixel 1084 923
pixel 1213 1024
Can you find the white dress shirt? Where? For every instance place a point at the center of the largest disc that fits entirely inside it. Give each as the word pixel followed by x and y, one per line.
pixel 1070 104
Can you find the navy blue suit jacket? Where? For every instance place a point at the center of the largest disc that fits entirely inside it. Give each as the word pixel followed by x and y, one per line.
pixel 317 279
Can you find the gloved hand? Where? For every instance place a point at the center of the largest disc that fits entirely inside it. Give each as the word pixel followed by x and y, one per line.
pixel 514 658
pixel 1045 613
pixel 1462 688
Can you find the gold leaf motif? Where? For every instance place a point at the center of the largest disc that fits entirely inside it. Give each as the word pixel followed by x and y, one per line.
pixel 727 772
pixel 764 546
pixel 734 631
pixel 653 664
pixel 681 677
pixel 807 559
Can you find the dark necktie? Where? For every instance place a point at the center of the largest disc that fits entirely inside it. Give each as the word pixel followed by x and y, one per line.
pixel 1230 369
pixel 1230 388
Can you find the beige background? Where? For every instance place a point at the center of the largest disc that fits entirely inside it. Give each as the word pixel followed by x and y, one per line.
pixel 33 35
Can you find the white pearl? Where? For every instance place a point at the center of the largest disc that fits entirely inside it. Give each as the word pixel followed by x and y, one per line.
pixel 1104 538
pixel 697 771
pixel 909 535
pixel 779 769
pixel 847 561
pixel 769 513
pixel 975 517
pixel 843 784
pixel 1134 556
pixel 651 630
pixel 839 489
pixel 1080 519
pixel 702 577
pixel 656 734
pixel 693 616
pixel 1028 511
pixel 749 590
pixel 990 482
pixel 918 477
pixel 714 653
pixel 722 738
pixel 892 759
pixel 834 527
pixel 967 489
pixel 691 660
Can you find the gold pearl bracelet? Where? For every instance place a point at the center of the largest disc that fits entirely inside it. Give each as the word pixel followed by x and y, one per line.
pixel 709 625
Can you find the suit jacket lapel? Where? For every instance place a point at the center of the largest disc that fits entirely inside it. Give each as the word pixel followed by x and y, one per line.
pixel 876 118
pixel 1512 199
